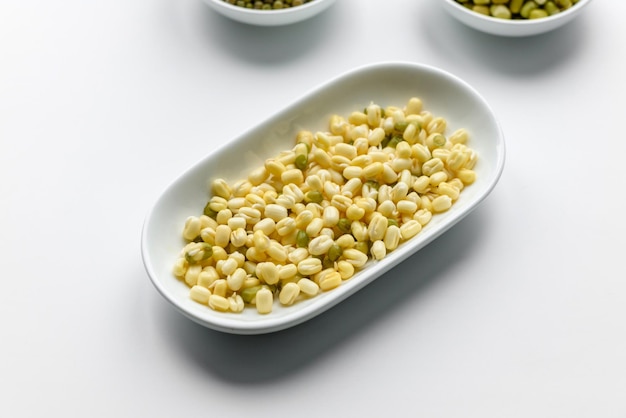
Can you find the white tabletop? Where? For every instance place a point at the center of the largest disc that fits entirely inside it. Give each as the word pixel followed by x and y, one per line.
pixel 517 311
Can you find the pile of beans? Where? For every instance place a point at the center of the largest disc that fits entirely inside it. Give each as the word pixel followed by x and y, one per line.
pixel 312 216
pixel 518 9
pixel 267 4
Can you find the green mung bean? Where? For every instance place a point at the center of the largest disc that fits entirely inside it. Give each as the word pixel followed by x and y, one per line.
pixel 302 239
pixel 518 9
pixel 267 4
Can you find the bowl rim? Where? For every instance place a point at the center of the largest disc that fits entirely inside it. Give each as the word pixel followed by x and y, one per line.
pixel 272 12
pixel 518 22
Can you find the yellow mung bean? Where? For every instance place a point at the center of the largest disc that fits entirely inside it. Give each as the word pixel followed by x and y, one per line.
pixel 200 294
pixel 314 215
pixel 218 303
pixel 289 293
pixel 330 281
pixel 308 287
pixel 192 228
pixel 264 301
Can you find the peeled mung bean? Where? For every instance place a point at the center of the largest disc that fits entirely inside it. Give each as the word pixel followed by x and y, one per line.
pixel 287 272
pixel 192 228
pixel 309 266
pixel 277 252
pixel 200 294
pixel 409 229
pixel 320 245
pixel 422 216
pixel 345 269
pixel 267 272
pixel 392 237
pixel 313 216
pixel 330 281
pixel 377 228
pixel 289 293
pixel 218 303
pixel 264 301
pixel 220 287
pixel 378 250
pixel 441 203
pixel 355 257
pixel 308 287
pixel 192 273
pixel 227 266
pixel 236 280
pixel 236 303
pixel 208 276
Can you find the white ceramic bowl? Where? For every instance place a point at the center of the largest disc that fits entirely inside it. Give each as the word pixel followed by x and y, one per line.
pixel 270 17
pixel 512 28
pixel 386 84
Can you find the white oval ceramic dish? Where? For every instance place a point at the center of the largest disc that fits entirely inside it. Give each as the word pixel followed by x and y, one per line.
pixel 386 84
pixel 512 28
pixel 270 17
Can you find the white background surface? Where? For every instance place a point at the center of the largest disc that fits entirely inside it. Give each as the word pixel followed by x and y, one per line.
pixel 518 311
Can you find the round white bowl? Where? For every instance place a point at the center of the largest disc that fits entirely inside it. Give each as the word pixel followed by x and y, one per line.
pixel 513 28
pixel 389 83
pixel 270 17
